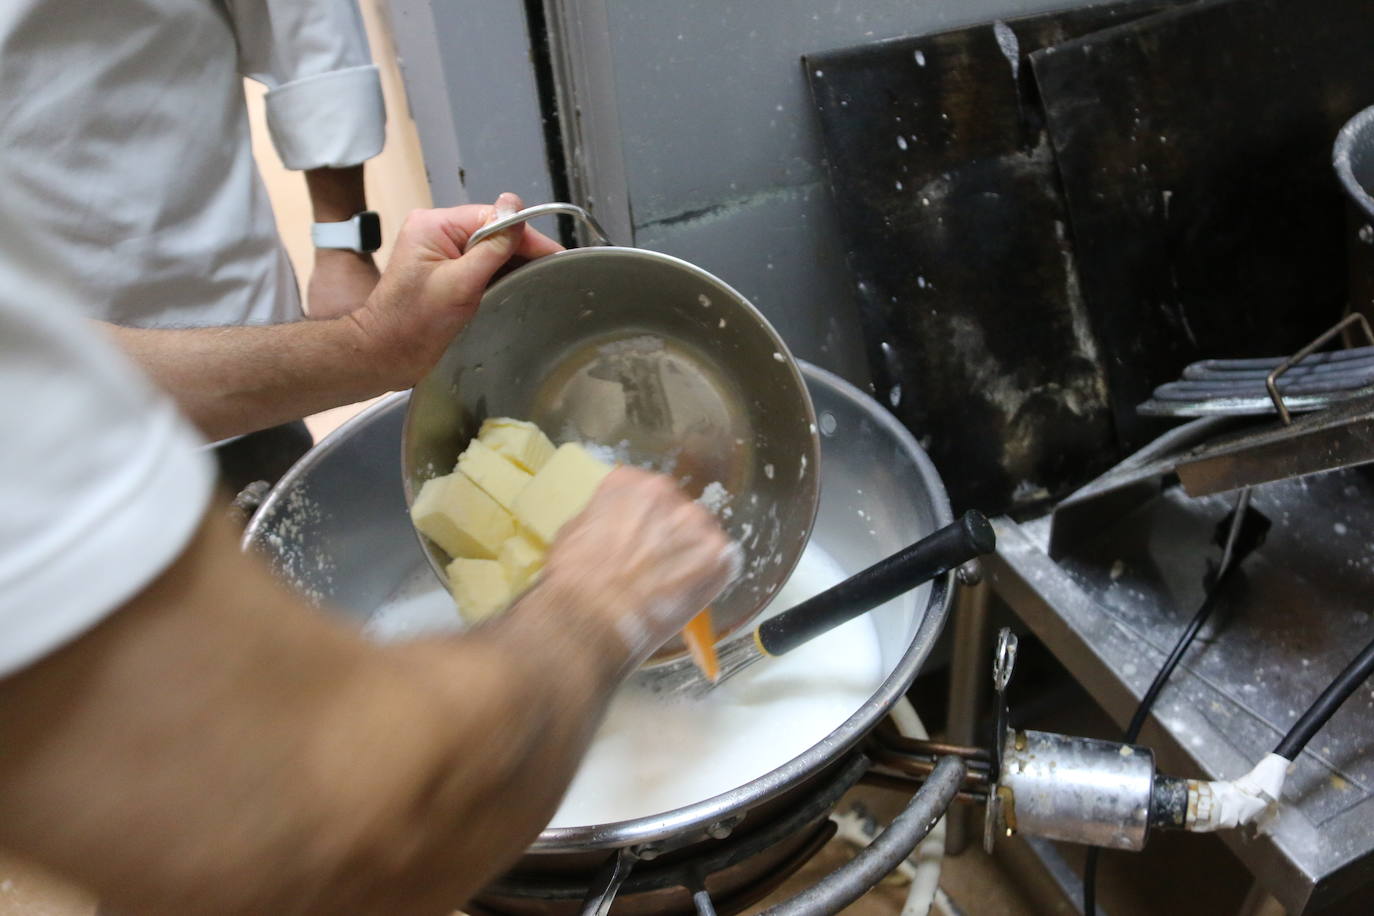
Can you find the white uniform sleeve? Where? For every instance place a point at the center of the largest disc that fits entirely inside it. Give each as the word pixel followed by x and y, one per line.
pixel 102 483
pixel 324 104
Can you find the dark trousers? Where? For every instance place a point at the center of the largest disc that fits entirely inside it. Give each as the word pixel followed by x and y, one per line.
pixel 264 455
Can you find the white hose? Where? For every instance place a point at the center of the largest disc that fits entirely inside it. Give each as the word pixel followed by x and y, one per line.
pixel 925 883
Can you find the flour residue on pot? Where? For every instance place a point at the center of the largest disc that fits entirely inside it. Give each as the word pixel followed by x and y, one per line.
pixel 307 569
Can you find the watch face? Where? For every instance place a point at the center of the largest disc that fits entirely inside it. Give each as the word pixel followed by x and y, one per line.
pixel 369 231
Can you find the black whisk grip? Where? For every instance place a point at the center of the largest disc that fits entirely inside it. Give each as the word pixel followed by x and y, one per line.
pixel 952 546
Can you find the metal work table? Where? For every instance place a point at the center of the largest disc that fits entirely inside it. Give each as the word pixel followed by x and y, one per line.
pixel 1112 610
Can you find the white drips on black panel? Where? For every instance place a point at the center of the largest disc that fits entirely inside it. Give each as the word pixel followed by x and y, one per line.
pixel 1011 48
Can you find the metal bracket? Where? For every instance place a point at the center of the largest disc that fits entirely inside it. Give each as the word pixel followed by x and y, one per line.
pixel 1271 382
pixel 608 881
pixel 1004 660
pixel 1003 663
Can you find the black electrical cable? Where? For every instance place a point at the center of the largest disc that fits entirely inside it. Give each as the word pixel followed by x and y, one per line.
pixel 1147 702
pixel 1090 882
pixel 1310 722
pixel 1142 712
pixel 1235 551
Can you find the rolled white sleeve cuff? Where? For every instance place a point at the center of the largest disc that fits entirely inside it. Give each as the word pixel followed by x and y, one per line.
pixel 330 120
pixel 130 539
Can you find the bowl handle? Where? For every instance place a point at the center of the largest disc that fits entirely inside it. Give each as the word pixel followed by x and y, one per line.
pixel 528 213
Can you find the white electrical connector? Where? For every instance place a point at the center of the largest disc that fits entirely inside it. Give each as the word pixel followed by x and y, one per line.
pixel 1228 804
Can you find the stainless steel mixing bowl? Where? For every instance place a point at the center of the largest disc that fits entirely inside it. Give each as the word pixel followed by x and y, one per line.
pixel 658 361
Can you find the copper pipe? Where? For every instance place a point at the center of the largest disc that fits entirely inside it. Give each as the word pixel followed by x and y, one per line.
pixel 907 785
pixel 903 760
pixel 886 734
pixel 920 769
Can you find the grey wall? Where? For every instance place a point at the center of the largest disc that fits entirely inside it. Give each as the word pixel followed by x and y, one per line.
pixel 690 125
pixel 721 151
pixel 471 89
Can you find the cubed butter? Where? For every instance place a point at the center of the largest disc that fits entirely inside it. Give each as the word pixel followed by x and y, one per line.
pixel 479 587
pixel 499 477
pixel 519 440
pixel 561 489
pixel 521 558
pixel 460 517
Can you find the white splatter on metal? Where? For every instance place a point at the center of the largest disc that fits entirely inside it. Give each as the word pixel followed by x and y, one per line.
pixel 1011 48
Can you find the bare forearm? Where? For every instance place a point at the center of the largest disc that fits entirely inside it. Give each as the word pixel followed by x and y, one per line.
pixel 247 755
pixel 235 380
pixel 342 278
pixel 336 194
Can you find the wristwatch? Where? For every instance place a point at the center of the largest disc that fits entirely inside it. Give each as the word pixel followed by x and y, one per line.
pixel 361 233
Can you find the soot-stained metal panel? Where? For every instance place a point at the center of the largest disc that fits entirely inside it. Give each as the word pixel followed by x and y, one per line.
pixel 947 191
pixel 1194 149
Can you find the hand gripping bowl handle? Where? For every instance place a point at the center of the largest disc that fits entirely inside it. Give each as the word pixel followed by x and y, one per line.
pixel 529 213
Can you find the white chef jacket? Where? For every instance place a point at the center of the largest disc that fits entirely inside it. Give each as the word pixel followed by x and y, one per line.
pixel 124 144
pixel 102 483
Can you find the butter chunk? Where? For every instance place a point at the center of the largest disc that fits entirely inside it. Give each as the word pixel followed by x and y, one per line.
pixel 521 558
pixel 561 489
pixel 500 478
pixel 519 440
pixel 460 517
pixel 479 588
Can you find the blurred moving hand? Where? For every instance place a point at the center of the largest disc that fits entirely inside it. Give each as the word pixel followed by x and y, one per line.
pixel 642 560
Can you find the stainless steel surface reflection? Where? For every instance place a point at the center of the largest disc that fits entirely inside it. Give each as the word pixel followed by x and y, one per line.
pixel 657 361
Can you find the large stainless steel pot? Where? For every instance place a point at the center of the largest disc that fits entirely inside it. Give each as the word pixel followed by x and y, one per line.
pixel 336 526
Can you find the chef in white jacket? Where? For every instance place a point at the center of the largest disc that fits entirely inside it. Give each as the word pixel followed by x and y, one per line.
pixel 124 141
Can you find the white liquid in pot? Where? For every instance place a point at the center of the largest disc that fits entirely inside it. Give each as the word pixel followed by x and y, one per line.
pixel 652 755
pixel 419 607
